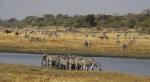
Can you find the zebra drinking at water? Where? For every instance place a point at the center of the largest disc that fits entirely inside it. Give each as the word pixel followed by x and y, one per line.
pixel 47 59
pixel 78 63
pixel 70 61
pixel 63 63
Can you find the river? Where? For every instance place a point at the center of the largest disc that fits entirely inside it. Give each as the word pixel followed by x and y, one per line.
pixel 124 65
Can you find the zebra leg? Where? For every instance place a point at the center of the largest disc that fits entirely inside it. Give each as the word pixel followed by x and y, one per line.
pixel 59 66
pixel 76 67
pixel 66 66
pixel 86 68
pixel 50 63
pixel 92 68
pixel 42 62
pixel 70 67
pixel 47 62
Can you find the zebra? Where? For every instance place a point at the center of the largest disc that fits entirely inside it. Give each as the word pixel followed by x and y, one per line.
pixel 132 42
pixel 47 59
pixel 123 46
pixel 26 35
pixel 93 35
pixel 62 61
pixel 86 63
pixel 106 37
pixel 42 38
pixel 75 62
pixel 86 43
pixel 32 38
pixel 78 63
pixel 71 60
pixel 101 37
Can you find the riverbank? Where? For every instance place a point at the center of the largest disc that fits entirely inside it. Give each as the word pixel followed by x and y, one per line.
pixel 20 73
pixel 73 45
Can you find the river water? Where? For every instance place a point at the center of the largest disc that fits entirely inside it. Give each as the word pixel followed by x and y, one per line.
pixel 124 65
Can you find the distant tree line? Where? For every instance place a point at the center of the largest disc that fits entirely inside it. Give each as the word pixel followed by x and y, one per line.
pixel 130 20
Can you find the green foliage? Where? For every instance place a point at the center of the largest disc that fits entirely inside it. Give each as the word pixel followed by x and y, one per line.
pixel 146 23
pixel 111 22
pixel 88 21
pixel 131 23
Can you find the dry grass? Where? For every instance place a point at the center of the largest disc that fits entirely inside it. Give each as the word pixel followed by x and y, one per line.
pixel 20 73
pixel 69 43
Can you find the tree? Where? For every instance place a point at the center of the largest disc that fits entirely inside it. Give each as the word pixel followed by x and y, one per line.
pixel 111 22
pixel 47 16
pixel 146 12
pixel 59 16
pixel 146 23
pixel 90 20
pixel 12 20
pixel 131 23
pixel 30 20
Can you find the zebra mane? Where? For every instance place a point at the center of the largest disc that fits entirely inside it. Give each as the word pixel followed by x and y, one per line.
pixel 97 64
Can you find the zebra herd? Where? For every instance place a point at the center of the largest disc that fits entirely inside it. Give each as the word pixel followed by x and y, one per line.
pixel 41 34
pixel 70 62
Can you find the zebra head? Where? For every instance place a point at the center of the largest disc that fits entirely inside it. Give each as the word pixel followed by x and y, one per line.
pixel 98 66
pixel 44 56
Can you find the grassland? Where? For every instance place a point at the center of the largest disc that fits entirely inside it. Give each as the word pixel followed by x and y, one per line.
pixel 20 73
pixel 72 44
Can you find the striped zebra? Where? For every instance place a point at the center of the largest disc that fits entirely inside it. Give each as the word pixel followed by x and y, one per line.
pixel 62 62
pixel 71 61
pixel 74 62
pixel 47 59
pixel 78 63
pixel 90 63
